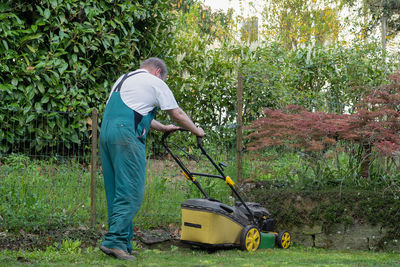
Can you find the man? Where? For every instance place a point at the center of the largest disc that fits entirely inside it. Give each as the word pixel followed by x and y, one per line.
pixel 129 114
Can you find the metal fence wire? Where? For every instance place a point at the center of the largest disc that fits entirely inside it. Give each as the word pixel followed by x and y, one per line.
pixel 44 178
pixel 44 134
pixel 49 176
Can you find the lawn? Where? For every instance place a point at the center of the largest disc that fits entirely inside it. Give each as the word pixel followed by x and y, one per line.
pixel 174 256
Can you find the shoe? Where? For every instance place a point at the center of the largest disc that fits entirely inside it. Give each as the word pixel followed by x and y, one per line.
pixel 117 253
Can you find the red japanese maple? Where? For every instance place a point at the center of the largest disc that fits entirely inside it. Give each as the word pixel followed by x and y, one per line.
pixel 375 124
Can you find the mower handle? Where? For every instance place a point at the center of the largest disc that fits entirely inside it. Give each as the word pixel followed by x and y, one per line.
pixel 166 134
pixel 198 141
pixel 218 168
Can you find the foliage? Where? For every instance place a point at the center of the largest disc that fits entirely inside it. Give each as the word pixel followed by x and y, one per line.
pixel 249 30
pixel 64 55
pixel 337 167
pixel 373 10
pixel 199 18
pixel 374 124
pixel 324 78
pixel 71 66
pixel 296 22
pixel 71 247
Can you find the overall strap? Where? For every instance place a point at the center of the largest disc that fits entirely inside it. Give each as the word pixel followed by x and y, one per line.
pixel 126 76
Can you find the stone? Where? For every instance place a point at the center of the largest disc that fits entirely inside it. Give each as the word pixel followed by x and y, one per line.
pixel 344 237
pixel 392 245
pixel 300 239
pixel 315 229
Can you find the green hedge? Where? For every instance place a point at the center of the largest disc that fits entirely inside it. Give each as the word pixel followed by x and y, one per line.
pixel 64 55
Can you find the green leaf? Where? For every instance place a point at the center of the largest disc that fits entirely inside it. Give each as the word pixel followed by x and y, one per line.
pixel 82 48
pixel 46 13
pixel 40 87
pixel 5 44
pixel 38 107
pixel 40 65
pixel 5 87
pixel 14 81
pixel 63 67
pixel 53 3
pixel 75 138
pixel 29 118
pixel 31 48
pixel 45 99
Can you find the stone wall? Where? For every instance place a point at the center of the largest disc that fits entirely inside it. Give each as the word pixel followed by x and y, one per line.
pixel 343 237
pixel 332 219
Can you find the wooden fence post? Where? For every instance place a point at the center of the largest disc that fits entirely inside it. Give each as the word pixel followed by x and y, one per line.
pixel 93 171
pixel 239 141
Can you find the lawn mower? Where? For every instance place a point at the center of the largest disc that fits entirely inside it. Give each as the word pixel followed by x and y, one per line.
pixel 211 224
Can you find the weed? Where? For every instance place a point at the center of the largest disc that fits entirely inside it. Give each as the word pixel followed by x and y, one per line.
pixel 71 247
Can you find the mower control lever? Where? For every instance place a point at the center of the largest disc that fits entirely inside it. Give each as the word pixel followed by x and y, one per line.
pixel 222 165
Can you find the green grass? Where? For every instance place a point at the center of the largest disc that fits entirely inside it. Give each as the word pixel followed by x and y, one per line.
pixel 38 195
pixel 296 256
pixel 41 195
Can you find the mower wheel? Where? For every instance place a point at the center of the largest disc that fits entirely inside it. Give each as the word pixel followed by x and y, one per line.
pixel 250 238
pixel 283 239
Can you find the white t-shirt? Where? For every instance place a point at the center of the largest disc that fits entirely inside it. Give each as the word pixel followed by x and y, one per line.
pixel 144 91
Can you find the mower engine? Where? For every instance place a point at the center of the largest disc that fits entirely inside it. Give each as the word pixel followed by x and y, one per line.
pixel 261 215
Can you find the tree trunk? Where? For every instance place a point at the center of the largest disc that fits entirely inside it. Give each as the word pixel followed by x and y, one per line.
pixel 383 21
pixel 366 161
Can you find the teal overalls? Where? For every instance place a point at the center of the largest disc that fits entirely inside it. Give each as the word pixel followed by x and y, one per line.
pixel 123 158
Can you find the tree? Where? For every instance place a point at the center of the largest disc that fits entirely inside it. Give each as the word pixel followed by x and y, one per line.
pixel 199 18
pixel 374 126
pixel 293 22
pixel 383 13
pixel 249 30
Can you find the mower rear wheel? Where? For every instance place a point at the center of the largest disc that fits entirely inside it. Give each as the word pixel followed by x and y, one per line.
pixel 250 238
pixel 283 239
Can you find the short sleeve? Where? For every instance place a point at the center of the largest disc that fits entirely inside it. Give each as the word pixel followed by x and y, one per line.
pixel 165 97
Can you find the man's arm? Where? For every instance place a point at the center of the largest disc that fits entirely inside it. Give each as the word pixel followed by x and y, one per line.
pixel 183 120
pixel 158 126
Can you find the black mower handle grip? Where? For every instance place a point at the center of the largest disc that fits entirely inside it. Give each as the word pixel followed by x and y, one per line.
pixel 166 134
pixel 198 140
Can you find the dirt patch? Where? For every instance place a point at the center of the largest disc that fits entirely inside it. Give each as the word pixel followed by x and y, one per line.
pixel 160 238
pixel 43 239
pixel 169 168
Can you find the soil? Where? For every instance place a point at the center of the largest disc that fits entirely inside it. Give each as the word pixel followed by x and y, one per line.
pixel 160 238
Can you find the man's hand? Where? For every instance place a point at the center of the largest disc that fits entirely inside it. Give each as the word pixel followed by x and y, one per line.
pixel 182 119
pixel 200 132
pixel 158 126
pixel 169 128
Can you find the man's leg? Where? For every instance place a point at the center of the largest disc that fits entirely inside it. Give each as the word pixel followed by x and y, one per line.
pixel 109 177
pixel 129 165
